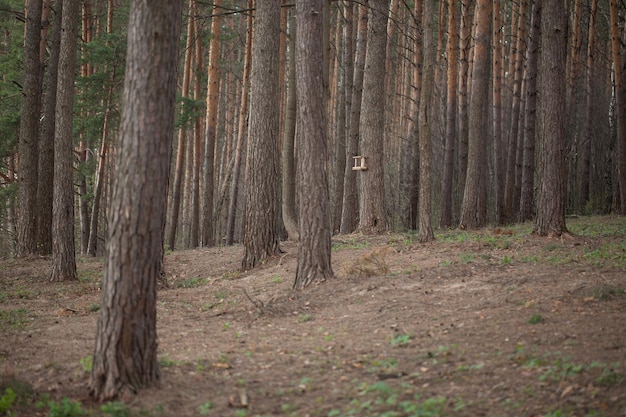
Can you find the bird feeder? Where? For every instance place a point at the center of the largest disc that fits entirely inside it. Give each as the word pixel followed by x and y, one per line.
pixel 359 163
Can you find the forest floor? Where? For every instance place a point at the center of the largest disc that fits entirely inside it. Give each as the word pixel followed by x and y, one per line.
pixel 477 323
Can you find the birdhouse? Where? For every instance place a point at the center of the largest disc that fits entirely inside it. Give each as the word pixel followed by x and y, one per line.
pixel 359 163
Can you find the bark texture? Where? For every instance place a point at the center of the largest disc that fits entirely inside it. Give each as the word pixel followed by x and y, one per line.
pixel 262 167
pixel 125 356
pixel 313 196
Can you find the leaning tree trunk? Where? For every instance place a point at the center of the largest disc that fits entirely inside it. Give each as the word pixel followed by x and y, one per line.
pixel 125 356
pixel 63 247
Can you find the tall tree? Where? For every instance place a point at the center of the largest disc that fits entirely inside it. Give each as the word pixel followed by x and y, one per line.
pixel 373 216
pixel 313 195
pixel 63 248
pixel 451 116
pixel 182 132
pixel 241 132
pixel 350 206
pixel 46 141
pixel 474 207
pixel 29 134
pixel 619 63
pixel 290 218
pixel 425 127
pixel 527 194
pixel 210 133
pixel 125 356
pixel 498 164
pixel 550 219
pixel 262 167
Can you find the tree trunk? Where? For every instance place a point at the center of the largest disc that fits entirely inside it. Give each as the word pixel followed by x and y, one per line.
pixel 29 134
pixel 262 167
pixel 125 356
pixel 474 209
pixel 467 10
pixel 290 218
pixel 451 113
pixel 551 196
pixel 587 137
pixel 313 196
pixel 194 235
pixel 46 141
pixel 498 165
pixel 182 134
pixel 425 121
pixel 373 217
pixel 211 127
pixel 620 106
pixel 527 194
pixel 63 247
pixel 350 206
pixel 241 133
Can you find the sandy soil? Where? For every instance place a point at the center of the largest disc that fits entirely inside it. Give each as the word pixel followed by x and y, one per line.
pixel 486 323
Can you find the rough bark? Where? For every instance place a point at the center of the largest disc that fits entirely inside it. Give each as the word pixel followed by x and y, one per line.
pixel 46 141
pixel 474 207
pixel 498 165
pixel 373 217
pixel 29 134
pixel 63 247
pixel 314 227
pixel 125 356
pixel 550 219
pixel 425 126
pixel 262 167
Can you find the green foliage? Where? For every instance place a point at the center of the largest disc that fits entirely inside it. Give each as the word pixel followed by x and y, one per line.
pixel 7 400
pixel 535 319
pixel 401 340
pixel 191 282
pixel 87 363
pixel 115 409
pixel 16 319
pixel 205 409
pixel 65 408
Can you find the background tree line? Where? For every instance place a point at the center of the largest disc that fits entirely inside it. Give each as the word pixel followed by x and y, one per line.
pixel 455 142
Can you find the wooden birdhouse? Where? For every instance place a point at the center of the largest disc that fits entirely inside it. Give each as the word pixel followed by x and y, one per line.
pixel 359 163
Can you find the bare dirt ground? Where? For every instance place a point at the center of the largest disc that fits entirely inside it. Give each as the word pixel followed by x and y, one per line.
pixel 486 323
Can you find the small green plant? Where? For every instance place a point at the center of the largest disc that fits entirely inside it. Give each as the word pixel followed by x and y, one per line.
pixel 115 409
pixel 445 262
pixel 401 340
pixel 303 318
pixel 87 363
pixel 609 377
pixel 166 362
pixel 16 319
pixel 276 279
pixel 226 325
pixel 506 260
pixel 205 409
pixel 65 408
pixel 6 401
pixel 241 413
pixel 93 308
pixel 467 258
pixel 191 282
pixel 535 319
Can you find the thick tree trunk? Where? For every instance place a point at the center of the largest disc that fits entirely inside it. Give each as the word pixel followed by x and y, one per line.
pixel 551 196
pixel 474 207
pixel 262 167
pixel 373 216
pixel 467 11
pixel 314 246
pixel 63 247
pixel 29 134
pixel 125 356
pixel 498 164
